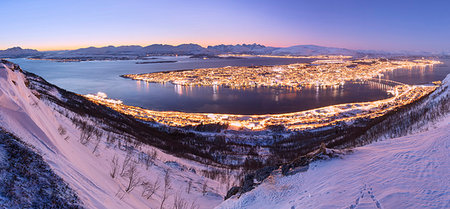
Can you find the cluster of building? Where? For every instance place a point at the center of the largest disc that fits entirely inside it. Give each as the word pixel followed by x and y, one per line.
pixel 290 56
pixel 321 73
pixel 310 119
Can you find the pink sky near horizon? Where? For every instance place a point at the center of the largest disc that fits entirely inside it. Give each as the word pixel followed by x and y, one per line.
pixel 378 25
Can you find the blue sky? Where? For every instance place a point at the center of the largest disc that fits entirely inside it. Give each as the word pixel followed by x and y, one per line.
pixel 383 24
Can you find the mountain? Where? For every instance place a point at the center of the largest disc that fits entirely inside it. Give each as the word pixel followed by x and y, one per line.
pixel 404 166
pixel 17 52
pixel 109 50
pixel 313 50
pixel 138 52
pixel 241 49
pixel 183 49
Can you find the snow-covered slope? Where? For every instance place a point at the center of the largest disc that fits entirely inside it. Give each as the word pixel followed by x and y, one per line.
pixel 87 167
pixel 27 181
pixel 412 171
pixel 406 172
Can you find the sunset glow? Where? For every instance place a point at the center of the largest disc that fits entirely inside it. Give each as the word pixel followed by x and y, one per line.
pixel 381 25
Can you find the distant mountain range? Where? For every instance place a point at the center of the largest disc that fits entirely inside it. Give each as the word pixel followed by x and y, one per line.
pixel 135 51
pixel 17 52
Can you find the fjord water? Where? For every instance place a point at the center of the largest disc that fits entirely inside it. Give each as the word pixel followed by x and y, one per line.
pixel 104 76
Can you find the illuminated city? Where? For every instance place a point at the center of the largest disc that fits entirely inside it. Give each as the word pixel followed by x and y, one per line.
pixel 321 73
pixel 324 73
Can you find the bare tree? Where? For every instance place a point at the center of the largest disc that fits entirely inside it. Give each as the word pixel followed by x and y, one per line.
pixel 204 187
pixel 153 154
pixel 133 178
pixel 137 144
pixel 179 202
pixel 125 163
pixel 194 205
pixel 127 141
pixel 119 143
pixel 167 187
pixel 110 139
pixel 114 166
pixel 150 188
pixel 98 135
pixel 188 190
pixel 87 131
pixel 148 160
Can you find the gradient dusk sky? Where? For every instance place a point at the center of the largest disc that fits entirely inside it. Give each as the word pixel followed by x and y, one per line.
pixel 380 25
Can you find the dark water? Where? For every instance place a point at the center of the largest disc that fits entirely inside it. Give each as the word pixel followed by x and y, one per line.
pixel 92 77
pixel 420 75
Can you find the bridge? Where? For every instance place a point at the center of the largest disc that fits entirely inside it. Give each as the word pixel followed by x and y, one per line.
pixel 384 84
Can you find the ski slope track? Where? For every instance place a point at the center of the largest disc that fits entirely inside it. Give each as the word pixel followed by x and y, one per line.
pixel 412 171
pixel 87 172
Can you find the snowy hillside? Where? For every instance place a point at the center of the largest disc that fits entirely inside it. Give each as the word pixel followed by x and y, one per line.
pixel 406 172
pixel 103 168
pixel 27 181
pixel 412 171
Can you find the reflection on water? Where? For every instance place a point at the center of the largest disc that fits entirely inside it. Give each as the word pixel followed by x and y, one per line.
pixel 261 100
pixel 420 75
pixel 91 77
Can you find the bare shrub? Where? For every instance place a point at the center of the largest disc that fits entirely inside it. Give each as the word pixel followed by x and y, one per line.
pixel 167 187
pixel 87 131
pixel 147 160
pixel 114 166
pixel 179 202
pixel 110 140
pixel 194 205
pixel 98 135
pixel 204 188
pixel 188 190
pixel 153 154
pixel 62 131
pixel 149 189
pixel 133 177
pixel 125 163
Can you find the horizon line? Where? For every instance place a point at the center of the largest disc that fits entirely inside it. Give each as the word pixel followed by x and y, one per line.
pixel 141 45
pixel 45 49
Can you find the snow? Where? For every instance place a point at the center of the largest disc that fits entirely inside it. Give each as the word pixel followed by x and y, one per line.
pixel 407 172
pixel 36 122
pixel 27 181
